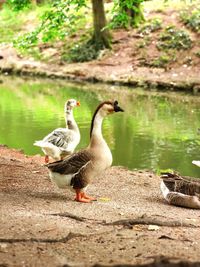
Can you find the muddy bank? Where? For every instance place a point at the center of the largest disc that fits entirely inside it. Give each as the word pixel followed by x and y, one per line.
pixel 130 223
pixel 118 71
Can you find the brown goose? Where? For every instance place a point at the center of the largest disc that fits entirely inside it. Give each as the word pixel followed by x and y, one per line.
pixel 180 191
pixel 79 169
pixel 62 141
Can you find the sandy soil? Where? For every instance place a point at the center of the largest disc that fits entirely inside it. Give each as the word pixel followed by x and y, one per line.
pixel 130 223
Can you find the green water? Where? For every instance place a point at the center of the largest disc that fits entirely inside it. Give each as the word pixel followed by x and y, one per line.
pixel 154 132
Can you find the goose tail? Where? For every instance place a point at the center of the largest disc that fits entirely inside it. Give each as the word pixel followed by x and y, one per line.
pixel 43 144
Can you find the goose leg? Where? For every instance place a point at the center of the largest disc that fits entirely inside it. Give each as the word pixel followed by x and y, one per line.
pixel 80 197
pixel 46 159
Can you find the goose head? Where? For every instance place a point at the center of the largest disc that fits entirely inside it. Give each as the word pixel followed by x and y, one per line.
pixel 104 109
pixel 107 108
pixel 71 103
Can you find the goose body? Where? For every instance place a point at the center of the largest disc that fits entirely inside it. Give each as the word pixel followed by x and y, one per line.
pixel 196 162
pixel 62 141
pixel 180 191
pixel 80 168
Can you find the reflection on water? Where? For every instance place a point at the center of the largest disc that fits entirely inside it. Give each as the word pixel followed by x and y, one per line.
pixel 154 132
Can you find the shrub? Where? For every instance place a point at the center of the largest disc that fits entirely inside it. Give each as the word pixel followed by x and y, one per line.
pixel 151 26
pixel 82 52
pixel 173 38
pixel 192 19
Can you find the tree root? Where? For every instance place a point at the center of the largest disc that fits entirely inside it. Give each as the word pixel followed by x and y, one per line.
pixel 144 220
pixel 158 261
pixel 70 215
pixel 40 240
pixel 150 221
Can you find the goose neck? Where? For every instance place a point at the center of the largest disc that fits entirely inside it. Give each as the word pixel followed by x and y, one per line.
pixel 69 120
pixel 96 126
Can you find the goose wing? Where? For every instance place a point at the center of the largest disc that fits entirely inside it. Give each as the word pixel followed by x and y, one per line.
pixel 71 164
pixel 182 184
pixel 60 138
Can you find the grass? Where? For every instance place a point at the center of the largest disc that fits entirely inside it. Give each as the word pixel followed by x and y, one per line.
pixel 13 24
pixel 191 19
pixel 173 38
pixel 10 24
pixel 157 5
pixel 150 26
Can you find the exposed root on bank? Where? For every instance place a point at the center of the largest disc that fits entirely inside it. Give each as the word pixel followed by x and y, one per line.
pixel 151 221
pixel 144 220
pixel 40 240
pixel 159 261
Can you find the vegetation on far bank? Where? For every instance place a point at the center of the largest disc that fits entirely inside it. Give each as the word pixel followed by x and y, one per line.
pixel 64 31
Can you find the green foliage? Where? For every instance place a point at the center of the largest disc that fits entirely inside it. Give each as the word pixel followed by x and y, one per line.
pixel 197 53
pixel 18 5
pixel 191 19
pixel 27 41
pixel 126 13
pixel 144 42
pixel 161 61
pixel 59 21
pixel 160 171
pixel 82 52
pixel 10 24
pixel 173 38
pixel 151 26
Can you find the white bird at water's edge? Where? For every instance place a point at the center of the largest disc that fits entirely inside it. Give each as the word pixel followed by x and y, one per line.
pixel 196 162
pixel 62 141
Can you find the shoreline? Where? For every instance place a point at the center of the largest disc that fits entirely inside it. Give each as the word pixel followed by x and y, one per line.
pixel 97 72
pixel 130 224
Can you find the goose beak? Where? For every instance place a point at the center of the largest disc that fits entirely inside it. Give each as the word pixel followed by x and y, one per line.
pixel 78 103
pixel 117 108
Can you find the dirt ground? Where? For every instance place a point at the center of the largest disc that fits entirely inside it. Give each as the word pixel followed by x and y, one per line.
pixel 130 224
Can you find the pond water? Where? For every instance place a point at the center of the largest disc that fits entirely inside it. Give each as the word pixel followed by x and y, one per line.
pixel 155 132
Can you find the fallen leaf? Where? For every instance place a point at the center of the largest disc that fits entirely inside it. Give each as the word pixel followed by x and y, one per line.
pixel 153 227
pixel 139 227
pixel 106 199
pixel 191 219
pixel 35 171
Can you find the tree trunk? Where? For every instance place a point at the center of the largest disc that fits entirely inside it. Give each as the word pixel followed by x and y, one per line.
pixel 136 15
pixel 1 3
pixel 34 2
pixel 101 36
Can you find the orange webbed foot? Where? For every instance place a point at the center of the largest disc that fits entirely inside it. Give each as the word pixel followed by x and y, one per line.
pixel 82 197
pixel 88 197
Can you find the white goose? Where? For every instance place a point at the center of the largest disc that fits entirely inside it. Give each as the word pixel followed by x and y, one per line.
pixel 78 170
pixel 62 141
pixel 196 162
